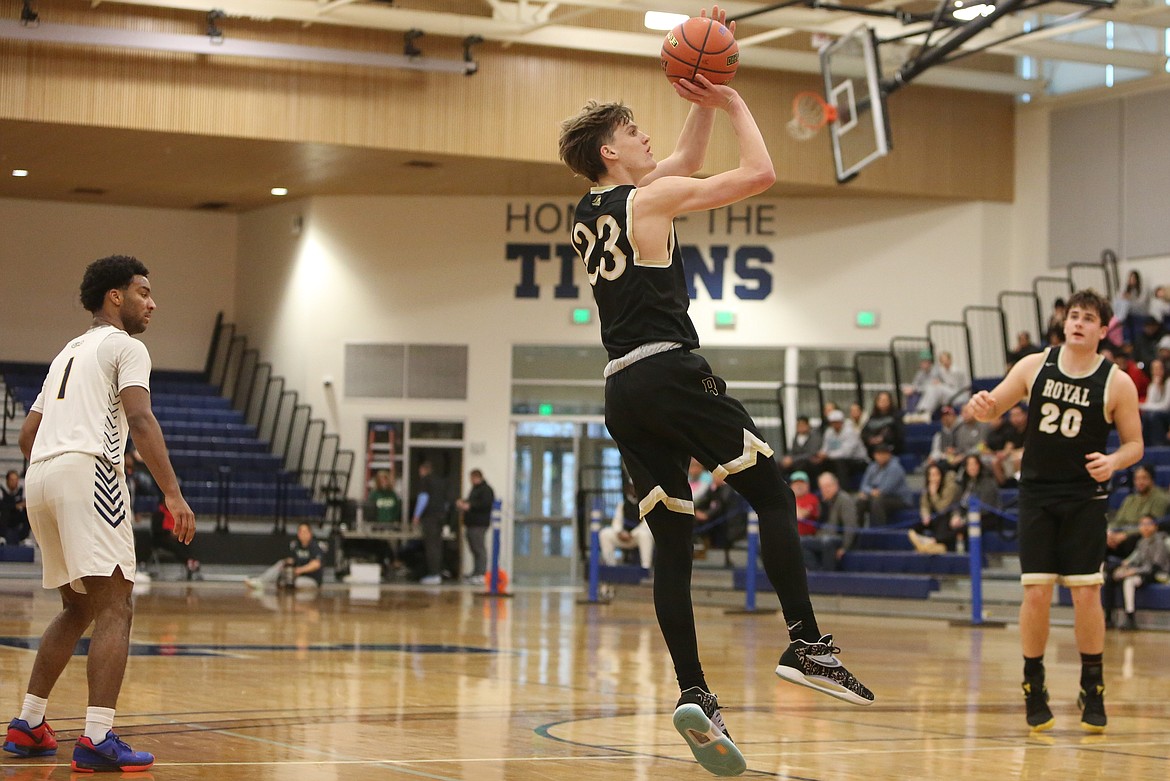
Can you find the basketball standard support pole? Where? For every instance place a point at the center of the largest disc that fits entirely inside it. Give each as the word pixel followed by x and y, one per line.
pixel 975 567
pixel 494 572
pixel 749 574
pixel 594 597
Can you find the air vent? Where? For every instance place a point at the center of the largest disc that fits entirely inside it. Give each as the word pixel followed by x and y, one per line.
pixel 89 191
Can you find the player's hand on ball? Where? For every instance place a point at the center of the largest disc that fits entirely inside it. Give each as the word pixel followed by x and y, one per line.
pixel 703 93
pixel 719 15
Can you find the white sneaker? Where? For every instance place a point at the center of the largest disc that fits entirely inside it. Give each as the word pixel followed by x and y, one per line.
pixel 254 583
pixel 431 580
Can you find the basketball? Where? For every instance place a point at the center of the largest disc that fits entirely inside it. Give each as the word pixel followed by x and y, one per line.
pixel 503 580
pixel 700 45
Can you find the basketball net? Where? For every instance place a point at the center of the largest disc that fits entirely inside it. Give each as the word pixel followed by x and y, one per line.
pixel 810 113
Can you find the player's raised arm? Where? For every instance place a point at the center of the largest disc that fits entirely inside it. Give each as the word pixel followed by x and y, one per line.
pixel 986 406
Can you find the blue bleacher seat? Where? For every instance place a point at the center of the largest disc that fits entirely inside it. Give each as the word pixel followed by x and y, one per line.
pixel 624 573
pixel 1155 596
pixel 858 584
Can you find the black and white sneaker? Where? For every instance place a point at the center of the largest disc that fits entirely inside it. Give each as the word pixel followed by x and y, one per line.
pixel 697 719
pixel 815 665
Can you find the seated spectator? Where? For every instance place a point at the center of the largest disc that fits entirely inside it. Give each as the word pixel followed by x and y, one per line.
pixel 1145 498
pixel 808 507
pixel 841 450
pixel 1005 445
pixel 1160 305
pixel 974 481
pixel 837 530
pixel 1125 362
pixel 1149 562
pixel 302 569
pixel 1024 346
pixel 943 448
pixel 1145 342
pixel 884 425
pixel 856 416
pixel 384 501
pixel 948 385
pixel 883 487
pixel 806 443
pixel 14 526
pixel 914 390
pixel 626 531
pixel 934 533
pixel 723 514
pixel 1054 332
pixel 1131 304
pixel 1155 410
pixel 699 480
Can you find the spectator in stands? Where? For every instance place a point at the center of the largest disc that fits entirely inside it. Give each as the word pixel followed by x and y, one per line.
pixel 1155 410
pixel 1005 445
pixel 1124 361
pixel 430 513
pixel 1132 305
pixel 914 390
pixel 627 531
pixel 884 426
pixel 1145 342
pixel 1146 498
pixel 883 487
pixel 856 416
pixel 944 450
pixel 1160 305
pixel 806 443
pixel 699 480
pixel 974 481
pixel 808 507
pixel 302 569
pixel 477 517
pixel 162 538
pixel 1054 333
pixel 934 533
pixel 14 527
pixel 1149 562
pixel 722 516
pixel 948 385
pixel 837 530
pixel 1024 346
pixel 841 450
pixel 384 500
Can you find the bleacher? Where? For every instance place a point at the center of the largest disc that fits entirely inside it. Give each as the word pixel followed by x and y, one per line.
pixel 220 460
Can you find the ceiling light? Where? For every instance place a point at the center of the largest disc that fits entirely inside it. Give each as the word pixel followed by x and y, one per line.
pixel 279 191
pixel 972 12
pixel 19 172
pixel 660 20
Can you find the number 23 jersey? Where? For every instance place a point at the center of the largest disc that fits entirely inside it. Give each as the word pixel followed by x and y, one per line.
pixel 639 299
pixel 1067 420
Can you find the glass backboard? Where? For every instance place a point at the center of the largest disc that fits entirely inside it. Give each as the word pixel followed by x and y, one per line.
pixel 852 73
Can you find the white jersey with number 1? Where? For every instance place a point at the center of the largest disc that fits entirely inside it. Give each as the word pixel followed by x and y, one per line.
pixel 80 399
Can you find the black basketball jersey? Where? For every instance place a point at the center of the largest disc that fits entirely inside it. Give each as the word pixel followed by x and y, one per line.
pixel 1066 422
pixel 640 300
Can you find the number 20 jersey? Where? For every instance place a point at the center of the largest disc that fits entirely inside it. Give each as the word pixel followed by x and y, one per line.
pixel 639 300
pixel 1066 421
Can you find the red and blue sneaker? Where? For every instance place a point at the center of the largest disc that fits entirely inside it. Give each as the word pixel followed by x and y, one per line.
pixel 26 741
pixel 109 756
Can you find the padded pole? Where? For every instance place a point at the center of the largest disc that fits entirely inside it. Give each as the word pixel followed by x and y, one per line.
pixel 753 552
pixel 494 581
pixel 595 551
pixel 975 558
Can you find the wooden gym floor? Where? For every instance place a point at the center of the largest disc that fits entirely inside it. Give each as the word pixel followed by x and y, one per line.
pixel 410 683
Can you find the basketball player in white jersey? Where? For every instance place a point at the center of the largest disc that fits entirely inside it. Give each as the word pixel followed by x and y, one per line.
pixel 97 390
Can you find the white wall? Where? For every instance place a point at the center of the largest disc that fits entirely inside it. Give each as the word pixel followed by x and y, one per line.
pixel 435 270
pixel 45 247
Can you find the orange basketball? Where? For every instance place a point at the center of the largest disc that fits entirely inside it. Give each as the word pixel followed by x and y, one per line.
pixel 700 45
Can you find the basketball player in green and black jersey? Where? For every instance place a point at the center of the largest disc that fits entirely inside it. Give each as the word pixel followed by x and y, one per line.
pixel 1074 397
pixel 664 405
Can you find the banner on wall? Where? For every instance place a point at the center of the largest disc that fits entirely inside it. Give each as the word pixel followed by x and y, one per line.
pixel 733 261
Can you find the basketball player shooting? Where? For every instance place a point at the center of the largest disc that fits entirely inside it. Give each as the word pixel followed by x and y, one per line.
pixel 663 403
pixel 1074 397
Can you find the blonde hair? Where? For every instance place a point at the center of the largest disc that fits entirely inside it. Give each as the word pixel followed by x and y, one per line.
pixel 583 135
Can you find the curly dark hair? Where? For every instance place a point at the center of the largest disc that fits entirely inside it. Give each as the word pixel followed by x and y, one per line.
pixel 1089 298
pixel 106 274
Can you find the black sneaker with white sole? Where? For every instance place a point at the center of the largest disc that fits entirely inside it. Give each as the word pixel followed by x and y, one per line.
pixel 816 666
pixel 698 720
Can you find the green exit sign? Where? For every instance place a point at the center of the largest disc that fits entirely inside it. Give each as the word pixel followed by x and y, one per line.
pixel 867 319
pixel 544 409
pixel 581 316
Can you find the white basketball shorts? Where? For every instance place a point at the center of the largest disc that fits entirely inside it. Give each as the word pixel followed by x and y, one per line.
pixel 79 510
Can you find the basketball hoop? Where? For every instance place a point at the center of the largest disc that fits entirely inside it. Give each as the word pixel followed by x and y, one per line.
pixel 810 113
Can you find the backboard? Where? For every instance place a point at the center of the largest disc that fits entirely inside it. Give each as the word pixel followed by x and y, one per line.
pixel 852 73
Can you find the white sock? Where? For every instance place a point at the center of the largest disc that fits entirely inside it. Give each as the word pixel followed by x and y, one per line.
pixel 33 710
pixel 98 723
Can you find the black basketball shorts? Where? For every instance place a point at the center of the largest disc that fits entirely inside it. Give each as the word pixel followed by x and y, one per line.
pixel 667 408
pixel 1062 540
